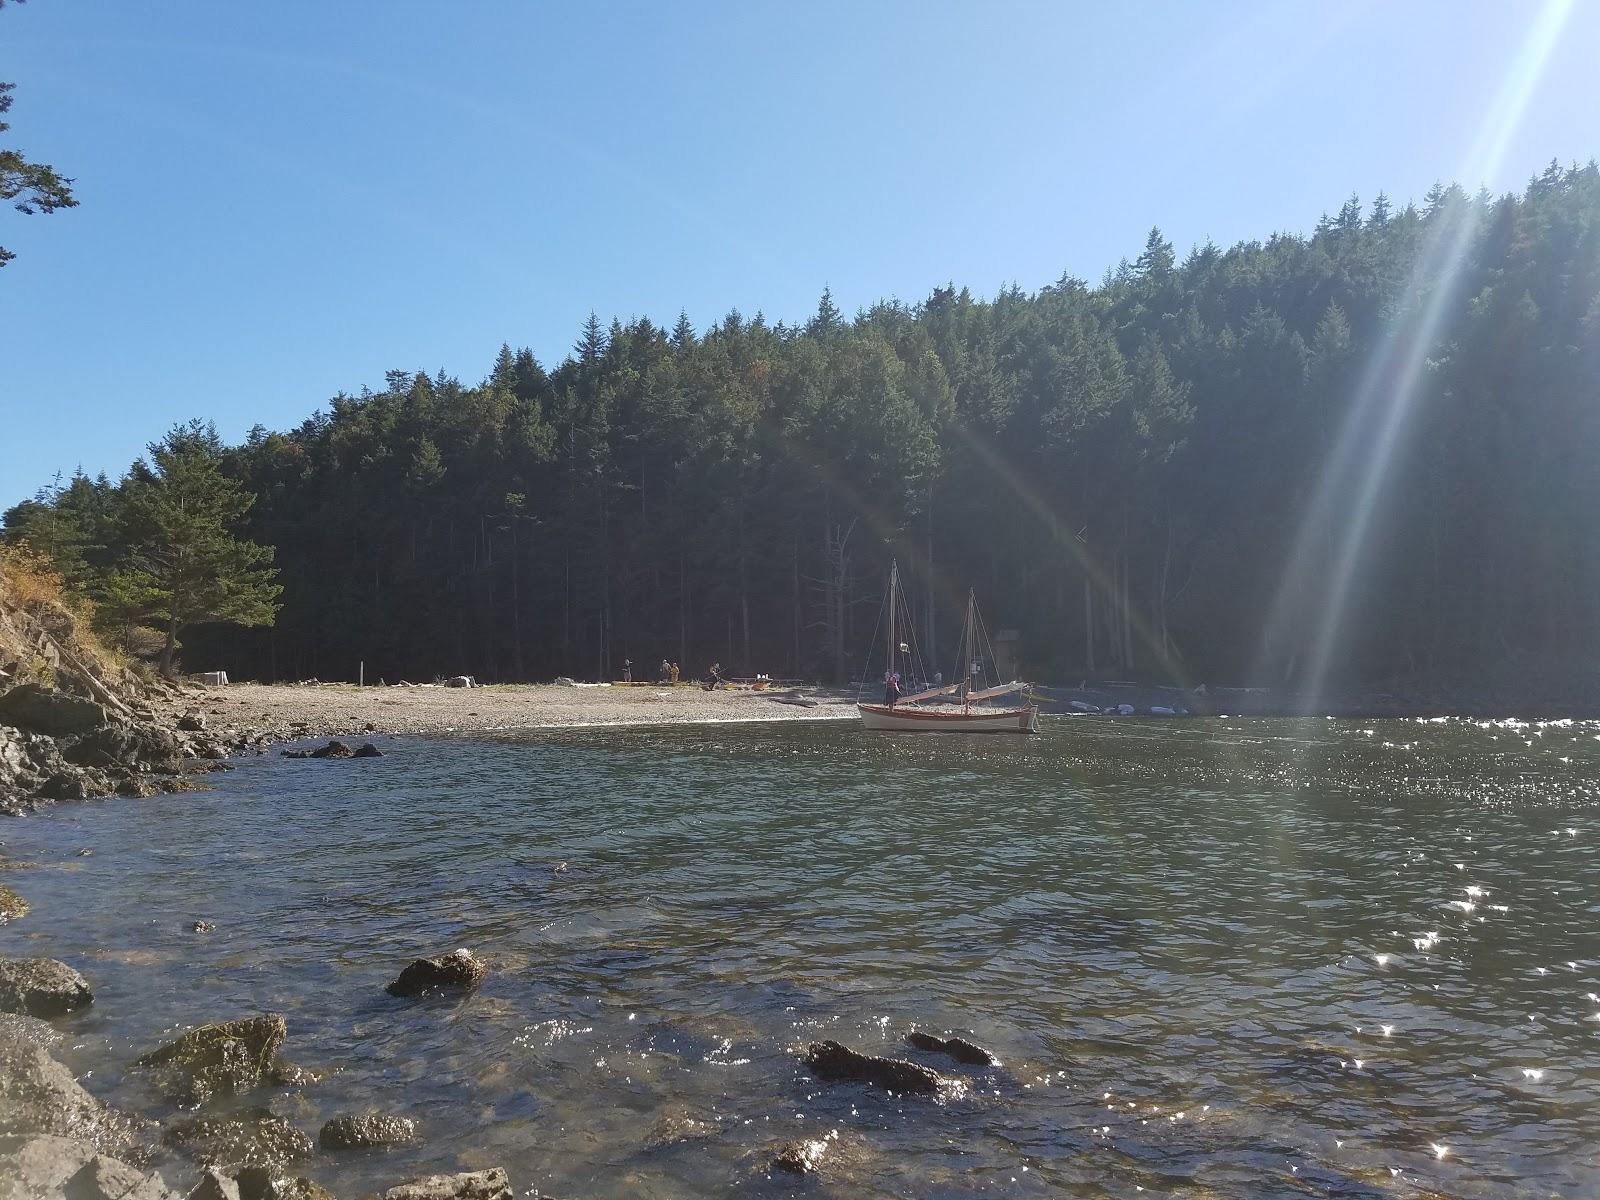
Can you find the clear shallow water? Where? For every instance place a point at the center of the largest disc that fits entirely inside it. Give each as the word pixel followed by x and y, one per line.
pixel 1218 958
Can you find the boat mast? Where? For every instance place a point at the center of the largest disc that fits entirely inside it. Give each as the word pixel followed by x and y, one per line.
pixel 894 602
pixel 966 654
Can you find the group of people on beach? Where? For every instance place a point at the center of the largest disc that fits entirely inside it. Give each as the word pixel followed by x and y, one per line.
pixel 667 672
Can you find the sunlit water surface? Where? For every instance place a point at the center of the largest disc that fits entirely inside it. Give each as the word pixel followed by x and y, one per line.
pixel 1217 958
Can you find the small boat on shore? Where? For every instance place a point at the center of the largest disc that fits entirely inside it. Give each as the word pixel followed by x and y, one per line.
pixel 969 713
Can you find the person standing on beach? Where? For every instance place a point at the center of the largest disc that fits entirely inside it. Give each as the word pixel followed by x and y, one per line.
pixel 673 675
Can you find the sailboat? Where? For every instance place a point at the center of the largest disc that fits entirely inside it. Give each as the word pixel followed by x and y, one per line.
pixel 914 713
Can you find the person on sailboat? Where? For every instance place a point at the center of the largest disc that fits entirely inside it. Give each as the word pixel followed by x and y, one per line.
pixel 891 688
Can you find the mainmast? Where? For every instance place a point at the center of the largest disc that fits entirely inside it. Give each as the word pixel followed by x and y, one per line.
pixel 894 604
pixel 966 653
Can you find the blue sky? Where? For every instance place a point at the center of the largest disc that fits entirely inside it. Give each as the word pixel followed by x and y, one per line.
pixel 279 202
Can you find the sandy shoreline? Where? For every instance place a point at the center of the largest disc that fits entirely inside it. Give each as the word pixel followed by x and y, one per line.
pixel 287 711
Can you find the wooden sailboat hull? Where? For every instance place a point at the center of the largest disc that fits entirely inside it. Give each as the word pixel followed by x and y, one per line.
pixel 903 719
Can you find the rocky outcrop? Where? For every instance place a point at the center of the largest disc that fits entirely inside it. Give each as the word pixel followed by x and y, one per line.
pixel 29 1030
pixel 130 746
pixel 460 970
pixel 471 1185
pixel 40 1096
pixel 220 1059
pixel 349 1132
pixel 957 1048
pixel 34 708
pixel 46 1166
pixel 254 1137
pixel 836 1063
pixel 41 987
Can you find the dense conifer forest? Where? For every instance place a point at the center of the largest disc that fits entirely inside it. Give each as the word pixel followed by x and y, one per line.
pixel 1368 453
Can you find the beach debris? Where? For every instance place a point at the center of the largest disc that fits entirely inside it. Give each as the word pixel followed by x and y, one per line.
pixel 255 1137
pixel 41 987
pixel 348 1131
pixel 565 681
pixel 460 969
pixel 470 1185
pixel 834 1062
pixel 228 1057
pixel 461 681
pixel 957 1048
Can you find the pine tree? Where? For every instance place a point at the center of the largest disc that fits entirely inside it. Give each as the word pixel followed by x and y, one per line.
pixel 184 566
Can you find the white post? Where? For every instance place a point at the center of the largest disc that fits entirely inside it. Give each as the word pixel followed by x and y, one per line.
pixel 361 677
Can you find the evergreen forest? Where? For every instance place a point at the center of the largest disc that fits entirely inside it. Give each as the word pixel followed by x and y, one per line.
pixel 1364 456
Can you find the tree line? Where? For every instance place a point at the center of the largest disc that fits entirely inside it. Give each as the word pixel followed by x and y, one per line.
pixel 1384 432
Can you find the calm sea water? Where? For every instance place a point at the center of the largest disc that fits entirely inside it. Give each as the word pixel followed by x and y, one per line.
pixel 1217 958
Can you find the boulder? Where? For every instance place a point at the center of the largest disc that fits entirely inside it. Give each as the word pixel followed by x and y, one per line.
pixel 12 905
pixel 957 1048
pixel 334 749
pixel 64 1167
pixel 254 1137
pixel 836 1063
pixel 29 1030
pixel 40 1096
pixel 76 785
pixel 367 750
pixel 349 1132
pixel 460 969
pixel 129 746
pixel 192 722
pixel 470 1185
pixel 38 709
pixel 41 987
pixel 220 1059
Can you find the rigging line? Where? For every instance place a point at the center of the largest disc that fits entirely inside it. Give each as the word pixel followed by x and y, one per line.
pixel 866 667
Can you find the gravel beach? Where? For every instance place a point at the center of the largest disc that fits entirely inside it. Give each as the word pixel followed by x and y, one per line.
pixel 287 711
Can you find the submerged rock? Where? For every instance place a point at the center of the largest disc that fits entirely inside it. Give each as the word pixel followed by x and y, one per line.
pixel 41 987
pixel 232 1056
pixel 252 1138
pixel 12 905
pixel 681 1125
pixel 38 709
pixel 349 1132
pixel 836 1063
pixel 43 1165
pixel 957 1048
pixel 460 969
pixel 470 1185
pixel 801 1157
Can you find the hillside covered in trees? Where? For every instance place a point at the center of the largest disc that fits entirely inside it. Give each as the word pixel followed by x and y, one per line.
pixel 1381 439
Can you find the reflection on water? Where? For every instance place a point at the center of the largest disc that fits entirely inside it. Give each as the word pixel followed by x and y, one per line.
pixel 1216 958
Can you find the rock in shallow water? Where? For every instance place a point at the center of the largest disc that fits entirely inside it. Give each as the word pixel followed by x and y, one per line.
pixel 957 1048
pixel 471 1185
pixel 40 1096
pixel 12 905
pixel 349 1132
pixel 218 1059
pixel 831 1061
pixel 460 969
pixel 41 987
pixel 254 1137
